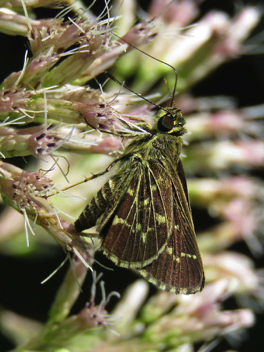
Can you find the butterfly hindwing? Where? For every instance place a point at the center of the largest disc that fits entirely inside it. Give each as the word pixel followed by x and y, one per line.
pixel 94 209
pixel 100 209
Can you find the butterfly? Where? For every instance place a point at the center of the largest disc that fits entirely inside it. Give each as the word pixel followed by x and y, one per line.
pixel 143 214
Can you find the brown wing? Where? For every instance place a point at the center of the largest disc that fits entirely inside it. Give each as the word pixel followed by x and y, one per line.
pixel 179 267
pixel 181 174
pixel 141 224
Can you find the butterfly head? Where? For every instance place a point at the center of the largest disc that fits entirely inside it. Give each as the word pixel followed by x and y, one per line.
pixel 170 120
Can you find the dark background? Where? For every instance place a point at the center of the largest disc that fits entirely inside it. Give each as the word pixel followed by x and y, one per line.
pixel 20 288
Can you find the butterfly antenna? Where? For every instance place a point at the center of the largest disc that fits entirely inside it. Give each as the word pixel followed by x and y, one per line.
pixel 139 95
pixel 123 85
pixel 154 58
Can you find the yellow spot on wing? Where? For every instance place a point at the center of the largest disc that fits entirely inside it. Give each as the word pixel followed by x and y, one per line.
pixel 144 202
pixel 118 220
pixel 111 184
pixel 177 259
pixel 154 187
pixel 138 227
pixel 188 255
pixel 143 237
pixel 160 219
pixel 130 191
pixel 169 250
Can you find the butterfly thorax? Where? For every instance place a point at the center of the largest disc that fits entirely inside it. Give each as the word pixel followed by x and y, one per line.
pixel 163 140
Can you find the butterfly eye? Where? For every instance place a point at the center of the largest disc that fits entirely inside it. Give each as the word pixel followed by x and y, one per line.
pixel 166 123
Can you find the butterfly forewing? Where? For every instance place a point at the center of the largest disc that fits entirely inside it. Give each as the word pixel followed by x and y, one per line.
pixel 176 269
pixel 141 224
pixel 179 267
